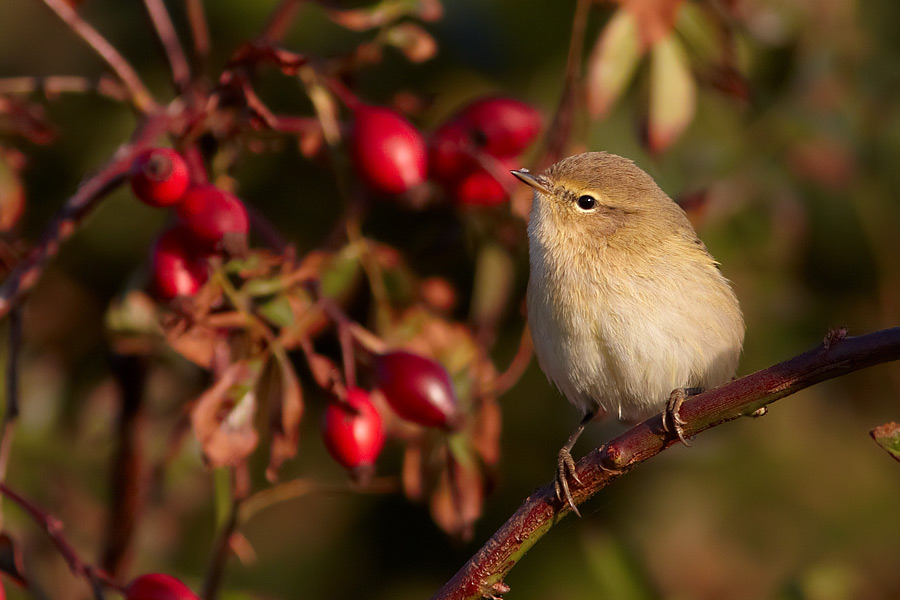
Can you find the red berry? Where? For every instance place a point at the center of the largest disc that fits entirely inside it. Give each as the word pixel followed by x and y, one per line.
pixel 452 152
pixel 480 188
pixel 353 432
pixel 179 268
pixel 387 150
pixel 418 389
pixel 158 586
pixel 210 213
pixel 504 127
pixel 159 177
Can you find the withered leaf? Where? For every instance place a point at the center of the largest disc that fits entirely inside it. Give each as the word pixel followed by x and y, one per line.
pixel 222 417
pixel 285 413
pixel 416 44
pixel 655 19
pixel 12 194
pixel 888 437
pixel 457 501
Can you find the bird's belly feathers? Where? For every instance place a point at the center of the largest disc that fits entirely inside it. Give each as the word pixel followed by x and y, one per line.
pixel 623 349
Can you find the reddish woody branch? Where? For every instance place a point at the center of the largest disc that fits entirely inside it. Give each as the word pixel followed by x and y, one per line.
pixel 483 575
pixel 77 207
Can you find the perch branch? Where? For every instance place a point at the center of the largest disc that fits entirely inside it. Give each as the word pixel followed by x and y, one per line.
pixel 838 355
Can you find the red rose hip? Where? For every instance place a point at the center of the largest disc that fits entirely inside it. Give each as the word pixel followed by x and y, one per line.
pixel 159 177
pixel 418 389
pixel 210 214
pixel 353 432
pixel 504 127
pixel 388 152
pixel 480 188
pixel 179 269
pixel 158 586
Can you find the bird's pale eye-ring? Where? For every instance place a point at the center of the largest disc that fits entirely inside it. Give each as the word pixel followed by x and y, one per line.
pixel 586 202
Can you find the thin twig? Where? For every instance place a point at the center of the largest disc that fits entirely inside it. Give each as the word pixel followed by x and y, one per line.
pixel 54 529
pixel 483 575
pixel 560 129
pixel 181 73
pixel 139 93
pixel 20 281
pixel 12 393
pixel 508 378
pixel 299 488
pixel 221 549
pixel 127 480
pixel 279 21
pixel 199 34
pixel 61 84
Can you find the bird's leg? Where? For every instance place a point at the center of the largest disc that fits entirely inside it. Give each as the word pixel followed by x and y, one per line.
pixel 673 409
pixel 565 465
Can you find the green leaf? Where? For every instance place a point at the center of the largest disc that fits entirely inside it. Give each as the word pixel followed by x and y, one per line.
pixel 341 274
pixel 888 437
pixel 673 94
pixel 612 63
pixel 263 287
pixel 277 311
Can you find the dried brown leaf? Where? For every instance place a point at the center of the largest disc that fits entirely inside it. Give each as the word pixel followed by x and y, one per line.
pixel 487 425
pixel 655 18
pixel 12 194
pixel 285 413
pixel 412 474
pixel 888 437
pixel 457 501
pixel 416 44
pixel 222 417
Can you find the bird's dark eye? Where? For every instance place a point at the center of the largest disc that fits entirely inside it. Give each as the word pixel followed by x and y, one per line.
pixel 586 202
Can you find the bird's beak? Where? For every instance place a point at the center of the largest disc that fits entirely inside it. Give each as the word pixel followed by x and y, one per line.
pixel 538 182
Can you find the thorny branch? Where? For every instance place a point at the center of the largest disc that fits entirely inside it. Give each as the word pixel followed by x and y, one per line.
pixel 838 355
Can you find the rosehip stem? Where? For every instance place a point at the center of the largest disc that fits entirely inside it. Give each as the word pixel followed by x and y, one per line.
pixel 345 336
pixel 348 98
pixel 54 529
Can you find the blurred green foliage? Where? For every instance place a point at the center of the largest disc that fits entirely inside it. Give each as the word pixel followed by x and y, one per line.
pixel 803 211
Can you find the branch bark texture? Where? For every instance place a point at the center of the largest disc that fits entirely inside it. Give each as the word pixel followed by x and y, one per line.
pixel 482 576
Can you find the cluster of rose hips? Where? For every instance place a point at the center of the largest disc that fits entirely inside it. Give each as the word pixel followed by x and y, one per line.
pixel 209 220
pixel 470 155
pixel 416 388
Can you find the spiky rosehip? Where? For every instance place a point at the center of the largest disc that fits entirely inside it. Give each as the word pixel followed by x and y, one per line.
pixel 159 177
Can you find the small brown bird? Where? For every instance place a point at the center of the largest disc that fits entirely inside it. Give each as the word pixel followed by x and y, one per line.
pixel 628 311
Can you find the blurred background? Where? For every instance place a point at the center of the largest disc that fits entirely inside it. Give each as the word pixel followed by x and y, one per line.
pixel 795 191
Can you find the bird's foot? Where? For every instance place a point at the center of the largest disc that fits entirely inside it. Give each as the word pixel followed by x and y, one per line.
pixel 565 468
pixel 672 415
